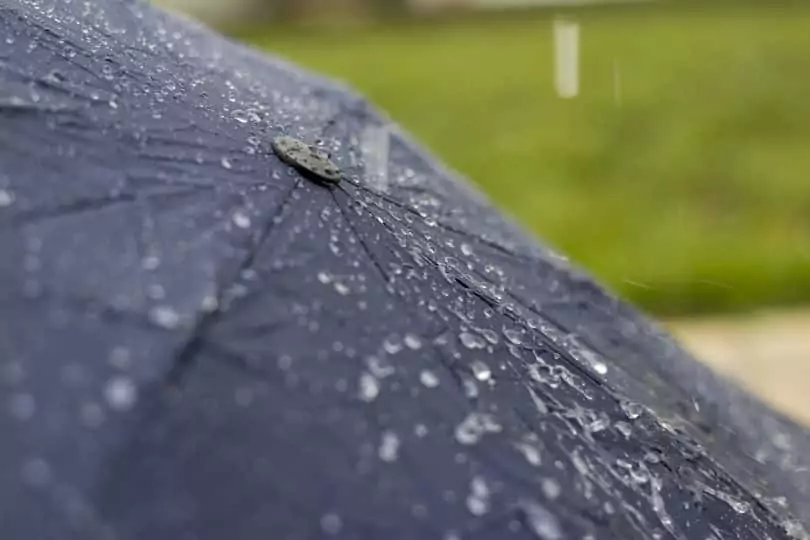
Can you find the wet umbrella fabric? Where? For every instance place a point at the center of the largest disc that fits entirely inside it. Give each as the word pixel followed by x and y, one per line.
pixel 200 342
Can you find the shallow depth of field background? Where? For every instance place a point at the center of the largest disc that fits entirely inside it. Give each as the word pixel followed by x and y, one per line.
pixel 679 176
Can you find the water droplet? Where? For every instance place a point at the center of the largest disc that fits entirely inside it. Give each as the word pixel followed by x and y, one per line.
pixel 22 406
pixel 515 337
pixel 121 393
pixel 481 371
pixel 530 452
pixel 551 488
pixel 471 341
pixel 470 388
pixel 413 342
pixel 379 367
pixel 369 387
pixel 623 428
pixel 599 367
pixel 428 378
pixel 490 335
pixel 631 409
pixel 331 523
pixel 474 426
pixel 541 522
pixel 6 198
pixel 478 500
pixel 466 249
pixel 165 317
pixel 389 447
pixel 240 219
pixel 226 163
pixel 324 278
pixel 391 345
pixel 240 116
pixel 420 430
pixel 341 288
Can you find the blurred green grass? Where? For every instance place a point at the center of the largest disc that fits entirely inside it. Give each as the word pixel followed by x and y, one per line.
pixel 687 189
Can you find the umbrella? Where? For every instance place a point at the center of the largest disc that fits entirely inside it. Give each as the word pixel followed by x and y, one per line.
pixel 238 302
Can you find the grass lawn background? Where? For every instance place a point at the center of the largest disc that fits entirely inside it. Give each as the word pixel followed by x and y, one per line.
pixel 687 189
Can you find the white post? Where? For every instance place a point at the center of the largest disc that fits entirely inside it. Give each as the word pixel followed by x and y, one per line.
pixel 566 57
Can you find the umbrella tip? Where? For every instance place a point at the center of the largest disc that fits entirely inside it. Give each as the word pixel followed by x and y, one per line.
pixel 312 162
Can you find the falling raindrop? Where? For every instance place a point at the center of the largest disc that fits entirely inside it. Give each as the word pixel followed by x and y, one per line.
pixel 466 249
pixel 226 163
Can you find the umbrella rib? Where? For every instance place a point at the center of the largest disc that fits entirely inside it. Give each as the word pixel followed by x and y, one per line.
pixel 441 224
pixel 184 357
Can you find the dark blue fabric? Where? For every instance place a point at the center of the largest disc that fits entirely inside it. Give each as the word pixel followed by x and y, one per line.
pixel 199 343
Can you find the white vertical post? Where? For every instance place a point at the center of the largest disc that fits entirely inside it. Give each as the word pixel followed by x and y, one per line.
pixel 566 57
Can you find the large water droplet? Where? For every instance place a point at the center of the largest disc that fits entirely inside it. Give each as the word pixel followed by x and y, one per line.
pixel 530 452
pixel 474 426
pixel 551 488
pixel 331 523
pixel 389 447
pixel 540 521
pixel 481 371
pixel 631 409
pixel 240 219
pixel 471 341
pixel 369 387
pixel 6 198
pixel 478 500
pixel 515 337
pixel 412 342
pixel 428 378
pixel 164 316
pixel 120 393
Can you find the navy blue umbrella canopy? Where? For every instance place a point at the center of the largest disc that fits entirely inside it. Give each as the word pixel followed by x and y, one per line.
pixel 201 339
